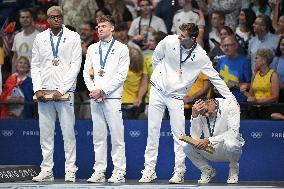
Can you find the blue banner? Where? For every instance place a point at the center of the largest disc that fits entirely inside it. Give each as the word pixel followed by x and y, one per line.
pixel 262 159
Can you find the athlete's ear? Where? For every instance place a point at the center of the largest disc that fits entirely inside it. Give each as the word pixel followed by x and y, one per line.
pixel 112 28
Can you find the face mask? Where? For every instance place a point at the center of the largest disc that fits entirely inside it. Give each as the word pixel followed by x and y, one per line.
pixel 187 43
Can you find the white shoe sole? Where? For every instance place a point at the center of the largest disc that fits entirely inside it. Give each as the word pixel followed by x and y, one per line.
pixel 43 180
pixel 96 181
pixel 174 182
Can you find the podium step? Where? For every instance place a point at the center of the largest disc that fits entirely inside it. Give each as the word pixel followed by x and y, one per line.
pixel 12 173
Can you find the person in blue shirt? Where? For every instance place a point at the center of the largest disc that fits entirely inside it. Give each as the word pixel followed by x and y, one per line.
pixel 234 68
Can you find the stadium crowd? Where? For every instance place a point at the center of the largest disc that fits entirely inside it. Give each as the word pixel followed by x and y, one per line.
pixel 243 38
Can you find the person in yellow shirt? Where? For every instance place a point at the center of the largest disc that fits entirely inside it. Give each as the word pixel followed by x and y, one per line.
pixel 131 102
pixel 200 89
pixel 265 85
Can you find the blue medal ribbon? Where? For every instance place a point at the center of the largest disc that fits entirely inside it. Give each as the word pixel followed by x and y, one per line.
pixel 55 50
pixel 103 62
pixel 211 131
pixel 189 54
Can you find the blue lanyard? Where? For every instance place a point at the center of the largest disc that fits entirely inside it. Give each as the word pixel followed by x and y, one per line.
pixel 103 62
pixel 55 51
pixel 211 132
pixel 189 54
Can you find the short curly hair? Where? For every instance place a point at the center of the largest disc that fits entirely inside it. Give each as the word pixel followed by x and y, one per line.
pixel 190 28
pixel 265 54
pixel 106 18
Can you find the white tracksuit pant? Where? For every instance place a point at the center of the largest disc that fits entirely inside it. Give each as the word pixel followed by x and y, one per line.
pixel 103 115
pixel 47 116
pixel 228 151
pixel 157 104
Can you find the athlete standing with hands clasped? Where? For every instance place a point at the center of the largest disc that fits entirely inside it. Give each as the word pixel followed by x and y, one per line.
pixel 109 61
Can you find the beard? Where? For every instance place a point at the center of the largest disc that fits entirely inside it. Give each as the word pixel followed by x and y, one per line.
pixel 187 43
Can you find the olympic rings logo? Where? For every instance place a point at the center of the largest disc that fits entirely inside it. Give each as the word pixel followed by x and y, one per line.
pixel 7 133
pixel 135 134
pixel 256 135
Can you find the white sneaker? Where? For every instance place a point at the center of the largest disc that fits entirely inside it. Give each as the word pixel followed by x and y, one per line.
pixel 233 174
pixel 117 176
pixel 206 175
pixel 97 177
pixel 70 176
pixel 148 176
pixel 178 177
pixel 44 176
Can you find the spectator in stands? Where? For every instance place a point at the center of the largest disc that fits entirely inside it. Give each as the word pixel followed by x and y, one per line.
pixel 201 89
pixel 264 88
pixel 166 10
pixel 41 19
pixel 234 68
pixel 18 88
pixel 23 41
pixel 142 26
pixel 8 9
pixel 218 120
pixel 217 52
pixel 263 38
pixel 231 9
pixel 145 86
pixel 2 58
pixel 121 34
pixel 56 61
pixel 280 26
pixel 189 15
pixel 244 31
pixel 76 12
pixel 82 111
pixel 131 101
pixel 260 7
pixel 274 5
pixel 119 11
pixel 278 66
pixel 213 34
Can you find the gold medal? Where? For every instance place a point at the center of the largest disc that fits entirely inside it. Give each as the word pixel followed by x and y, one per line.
pixel 101 73
pixel 92 72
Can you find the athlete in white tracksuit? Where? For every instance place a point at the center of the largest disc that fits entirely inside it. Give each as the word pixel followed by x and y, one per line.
pixel 49 77
pixel 222 131
pixel 108 80
pixel 171 81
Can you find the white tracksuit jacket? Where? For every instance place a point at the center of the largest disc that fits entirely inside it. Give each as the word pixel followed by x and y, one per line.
pixel 226 127
pixel 62 77
pixel 166 63
pixel 116 68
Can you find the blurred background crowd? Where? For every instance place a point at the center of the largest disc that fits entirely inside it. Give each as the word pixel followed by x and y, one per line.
pixel 243 38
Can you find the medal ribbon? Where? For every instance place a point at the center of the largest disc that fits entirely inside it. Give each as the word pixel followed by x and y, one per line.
pixel 211 131
pixel 55 50
pixel 103 62
pixel 189 54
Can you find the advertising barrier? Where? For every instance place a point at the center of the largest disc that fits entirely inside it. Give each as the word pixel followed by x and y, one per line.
pixel 262 159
